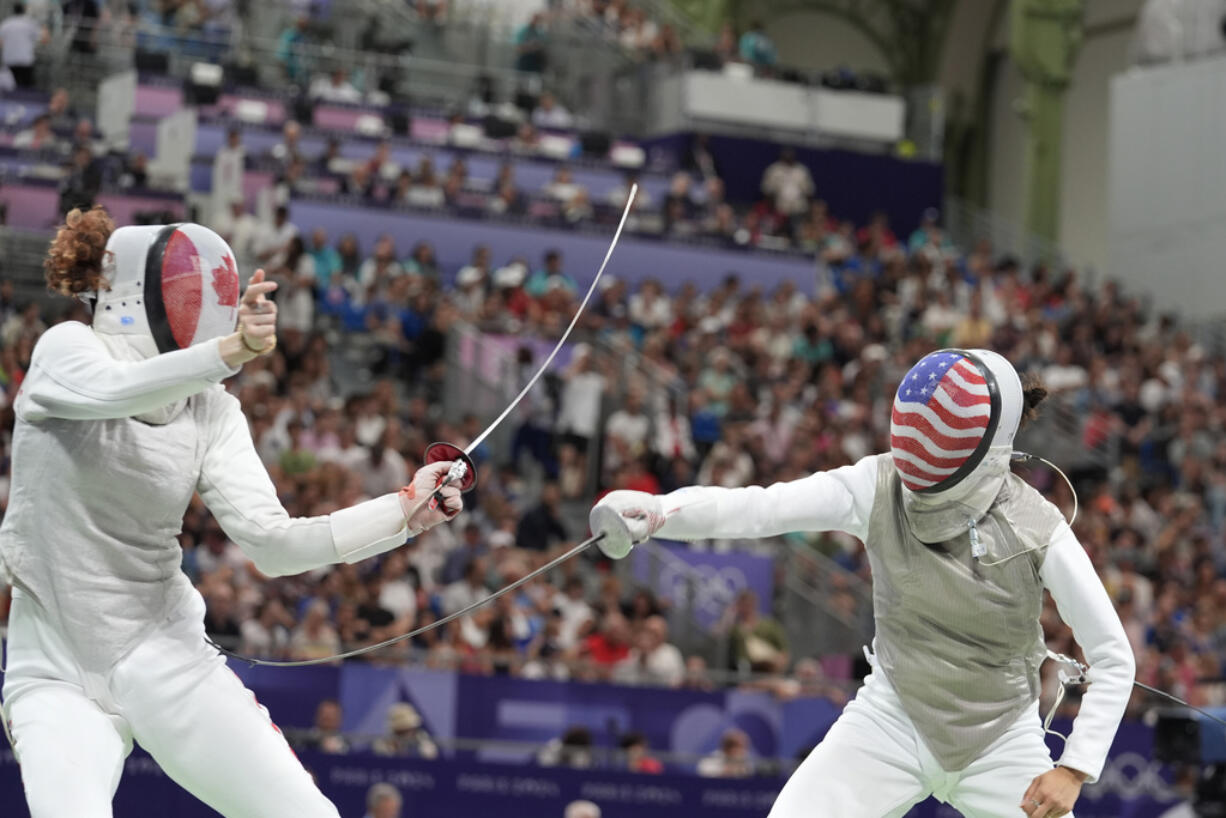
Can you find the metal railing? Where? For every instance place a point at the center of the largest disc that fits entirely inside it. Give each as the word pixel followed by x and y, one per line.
pixel 825 609
pixel 698 600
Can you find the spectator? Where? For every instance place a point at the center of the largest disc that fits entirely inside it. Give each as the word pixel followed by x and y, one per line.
pixel 530 44
pixel 636 755
pixel 241 231
pixel 579 412
pixel 609 646
pixel 60 111
pixel 789 184
pixel 296 291
pixel 315 638
pixel 572 749
pixel 20 35
pixel 541 528
pixel 653 661
pixel 272 242
pixel 468 589
pixel 426 190
pixel 326 258
pixel 562 187
pixel 700 161
pixel 81 185
pixel 383 801
pixel 627 432
pixel 290 146
pixel 405 735
pixel 759 644
pixel 756 48
pixel 581 809
pixel 335 87
pixel 421 261
pixel 219 617
pixel 267 634
pixel 573 610
pixel 550 113
pixel 290 47
pixel 118 29
pixel 38 137
pixel 228 166
pixel 25 325
pixel 731 760
pixel 474 544
pixel 135 171
pixel 326 736
pixel 550 276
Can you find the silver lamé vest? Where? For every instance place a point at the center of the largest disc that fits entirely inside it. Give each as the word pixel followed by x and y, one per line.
pixel 960 641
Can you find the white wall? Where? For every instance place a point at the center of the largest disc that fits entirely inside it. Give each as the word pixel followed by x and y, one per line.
pixel 814 40
pixel 1083 189
pixel 1168 184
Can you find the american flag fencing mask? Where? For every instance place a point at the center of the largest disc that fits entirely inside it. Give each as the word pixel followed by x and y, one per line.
pixel 947 414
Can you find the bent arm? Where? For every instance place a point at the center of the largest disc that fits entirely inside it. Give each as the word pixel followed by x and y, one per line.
pixel 74 377
pixel 1083 603
pixel 236 487
pixel 836 500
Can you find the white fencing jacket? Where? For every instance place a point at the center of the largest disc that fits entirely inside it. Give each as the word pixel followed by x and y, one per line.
pixel 842 499
pixel 98 497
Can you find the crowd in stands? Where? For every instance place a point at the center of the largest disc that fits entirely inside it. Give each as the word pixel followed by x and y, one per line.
pixel 786 217
pixel 734 386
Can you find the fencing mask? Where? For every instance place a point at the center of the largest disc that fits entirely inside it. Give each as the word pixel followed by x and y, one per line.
pixel 167 287
pixel 170 286
pixel 955 415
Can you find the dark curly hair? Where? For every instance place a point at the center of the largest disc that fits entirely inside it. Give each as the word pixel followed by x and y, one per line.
pixel 1033 393
pixel 74 262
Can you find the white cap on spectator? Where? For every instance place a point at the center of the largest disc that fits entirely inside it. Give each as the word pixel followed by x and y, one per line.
pixel 512 275
pixel 607 283
pixel 501 539
pixel 469 275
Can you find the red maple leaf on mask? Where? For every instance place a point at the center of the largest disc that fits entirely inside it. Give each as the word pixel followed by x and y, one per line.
pixel 225 282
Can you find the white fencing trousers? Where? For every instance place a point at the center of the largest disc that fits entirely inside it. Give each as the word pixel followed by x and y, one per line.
pixel 873 764
pixel 175 696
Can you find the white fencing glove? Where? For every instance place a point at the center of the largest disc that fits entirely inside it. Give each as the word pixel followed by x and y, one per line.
pixel 625 519
pixel 415 498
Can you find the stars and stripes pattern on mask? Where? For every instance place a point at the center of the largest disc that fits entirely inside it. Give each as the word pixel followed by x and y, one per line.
pixel 941 415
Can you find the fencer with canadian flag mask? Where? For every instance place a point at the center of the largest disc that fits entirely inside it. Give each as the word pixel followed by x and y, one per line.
pixel 961 550
pixel 119 424
pixel 168 287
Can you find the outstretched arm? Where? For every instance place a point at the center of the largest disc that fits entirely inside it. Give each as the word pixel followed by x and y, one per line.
pixel 236 487
pixel 836 500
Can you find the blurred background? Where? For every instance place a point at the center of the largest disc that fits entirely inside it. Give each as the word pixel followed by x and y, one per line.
pixel 829 189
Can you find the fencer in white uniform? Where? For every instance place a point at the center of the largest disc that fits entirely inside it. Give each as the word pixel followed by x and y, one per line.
pixel 118 424
pixel 961 550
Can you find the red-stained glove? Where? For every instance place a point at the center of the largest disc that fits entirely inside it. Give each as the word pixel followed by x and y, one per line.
pixel 415 498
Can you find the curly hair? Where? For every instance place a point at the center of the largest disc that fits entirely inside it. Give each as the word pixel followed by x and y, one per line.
pixel 74 262
pixel 1033 393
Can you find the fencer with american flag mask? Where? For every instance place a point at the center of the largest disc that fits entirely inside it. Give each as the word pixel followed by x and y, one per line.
pixel 961 550
pixel 118 424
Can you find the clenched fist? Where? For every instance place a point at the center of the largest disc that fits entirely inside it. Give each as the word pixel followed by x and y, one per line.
pixel 415 498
